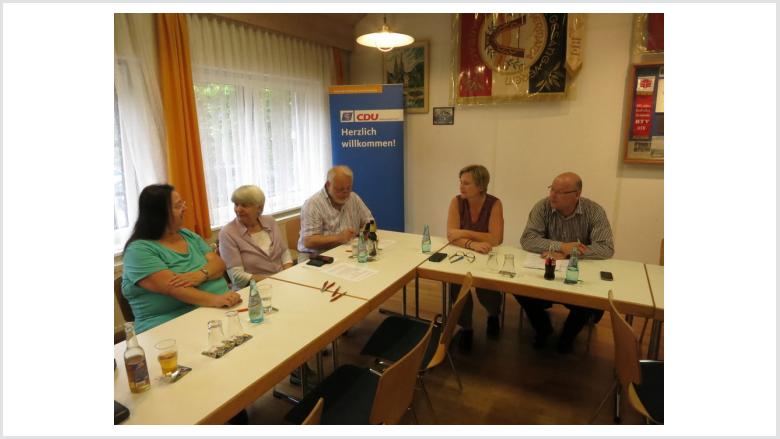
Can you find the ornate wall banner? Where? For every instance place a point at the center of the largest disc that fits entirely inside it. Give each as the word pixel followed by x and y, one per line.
pixel 505 57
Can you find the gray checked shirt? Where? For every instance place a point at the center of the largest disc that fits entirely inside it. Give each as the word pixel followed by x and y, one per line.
pixel 588 223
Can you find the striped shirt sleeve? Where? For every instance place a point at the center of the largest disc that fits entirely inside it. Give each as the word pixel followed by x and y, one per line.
pixel 547 228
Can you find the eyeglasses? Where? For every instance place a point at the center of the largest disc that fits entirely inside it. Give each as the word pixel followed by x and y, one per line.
pixel 460 255
pixel 553 191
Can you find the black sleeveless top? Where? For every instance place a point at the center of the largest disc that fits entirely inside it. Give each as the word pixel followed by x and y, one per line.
pixel 483 222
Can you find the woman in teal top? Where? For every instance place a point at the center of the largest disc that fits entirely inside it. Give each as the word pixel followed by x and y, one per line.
pixel 168 270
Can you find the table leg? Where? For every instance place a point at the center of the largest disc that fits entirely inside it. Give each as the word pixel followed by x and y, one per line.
pixel 444 302
pixel 416 296
pixel 335 354
pixel 655 339
pixel 404 303
pixel 320 369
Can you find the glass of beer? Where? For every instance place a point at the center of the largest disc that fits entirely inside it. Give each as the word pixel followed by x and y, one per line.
pixel 167 355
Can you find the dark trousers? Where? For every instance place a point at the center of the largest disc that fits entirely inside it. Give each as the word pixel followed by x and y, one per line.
pixel 536 310
pixel 490 299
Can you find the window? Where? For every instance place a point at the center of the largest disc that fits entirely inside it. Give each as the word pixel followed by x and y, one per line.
pixel 251 132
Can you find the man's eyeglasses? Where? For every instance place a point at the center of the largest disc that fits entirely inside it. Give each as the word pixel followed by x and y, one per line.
pixel 460 255
pixel 553 191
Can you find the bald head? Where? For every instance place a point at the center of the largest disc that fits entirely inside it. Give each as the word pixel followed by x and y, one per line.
pixel 565 193
pixel 570 178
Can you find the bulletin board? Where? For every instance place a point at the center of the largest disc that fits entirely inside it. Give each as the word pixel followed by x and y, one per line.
pixel 644 130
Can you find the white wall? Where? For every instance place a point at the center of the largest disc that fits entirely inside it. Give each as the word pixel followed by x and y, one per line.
pixel 526 144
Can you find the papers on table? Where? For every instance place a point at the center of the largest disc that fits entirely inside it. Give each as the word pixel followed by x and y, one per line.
pixel 350 272
pixel 532 260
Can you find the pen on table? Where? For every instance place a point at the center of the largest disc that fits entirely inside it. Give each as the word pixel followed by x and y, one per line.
pixel 337 297
pixel 331 285
pixel 335 292
pixel 242 309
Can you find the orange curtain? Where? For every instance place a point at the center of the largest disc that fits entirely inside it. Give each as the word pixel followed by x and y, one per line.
pixel 338 68
pixel 185 163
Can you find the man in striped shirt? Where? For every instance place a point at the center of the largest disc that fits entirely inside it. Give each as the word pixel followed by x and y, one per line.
pixel 332 216
pixel 561 222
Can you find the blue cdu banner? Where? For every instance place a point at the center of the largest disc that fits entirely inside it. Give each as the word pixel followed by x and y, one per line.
pixel 367 134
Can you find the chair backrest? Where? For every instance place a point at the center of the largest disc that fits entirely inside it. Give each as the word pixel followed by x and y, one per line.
pixel 124 305
pixel 292 230
pixel 315 414
pixel 452 320
pixel 626 348
pixel 661 260
pixel 396 385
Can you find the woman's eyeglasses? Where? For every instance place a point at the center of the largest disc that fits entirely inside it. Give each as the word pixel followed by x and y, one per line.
pixel 460 255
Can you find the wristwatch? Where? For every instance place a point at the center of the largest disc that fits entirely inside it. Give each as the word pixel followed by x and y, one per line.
pixel 205 271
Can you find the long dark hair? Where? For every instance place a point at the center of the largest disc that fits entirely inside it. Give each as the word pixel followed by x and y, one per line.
pixel 154 211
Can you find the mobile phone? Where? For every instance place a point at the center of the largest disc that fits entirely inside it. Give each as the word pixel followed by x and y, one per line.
pixel 606 275
pixel 120 413
pixel 437 257
pixel 325 259
pixel 316 262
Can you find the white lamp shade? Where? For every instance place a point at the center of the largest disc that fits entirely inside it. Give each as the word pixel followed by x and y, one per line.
pixel 385 40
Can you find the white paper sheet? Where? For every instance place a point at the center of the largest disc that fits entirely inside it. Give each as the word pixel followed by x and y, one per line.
pixel 533 260
pixel 350 272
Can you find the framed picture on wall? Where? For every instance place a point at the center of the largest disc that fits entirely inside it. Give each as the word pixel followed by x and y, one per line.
pixel 409 66
pixel 443 115
pixel 644 129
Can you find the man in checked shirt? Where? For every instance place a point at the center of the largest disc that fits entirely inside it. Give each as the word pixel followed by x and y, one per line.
pixel 562 221
pixel 332 216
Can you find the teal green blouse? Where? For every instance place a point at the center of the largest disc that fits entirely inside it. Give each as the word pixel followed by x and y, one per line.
pixel 145 257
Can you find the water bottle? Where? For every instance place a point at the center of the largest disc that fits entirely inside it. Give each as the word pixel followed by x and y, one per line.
pixel 255 303
pixel 426 240
pixel 573 270
pixel 362 250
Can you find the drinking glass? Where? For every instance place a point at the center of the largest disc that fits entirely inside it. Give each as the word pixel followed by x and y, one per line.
pixel 266 292
pixel 216 338
pixel 492 262
pixel 167 355
pixel 508 269
pixel 235 331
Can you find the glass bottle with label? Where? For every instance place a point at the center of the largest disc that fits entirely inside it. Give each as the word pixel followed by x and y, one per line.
pixel 362 255
pixel 255 303
pixel 426 240
pixel 374 240
pixel 135 362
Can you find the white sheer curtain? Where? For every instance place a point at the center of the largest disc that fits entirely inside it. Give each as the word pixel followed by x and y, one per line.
pixel 263 113
pixel 139 127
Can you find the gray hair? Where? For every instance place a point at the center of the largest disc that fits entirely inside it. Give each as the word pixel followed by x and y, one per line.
pixel 249 194
pixel 341 169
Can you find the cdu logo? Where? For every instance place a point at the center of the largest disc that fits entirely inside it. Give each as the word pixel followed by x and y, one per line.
pixel 346 116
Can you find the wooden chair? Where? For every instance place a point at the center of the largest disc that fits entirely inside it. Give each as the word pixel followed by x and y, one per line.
pixel 292 230
pixel 641 380
pixel 358 395
pixel 316 413
pixel 396 335
pixel 124 307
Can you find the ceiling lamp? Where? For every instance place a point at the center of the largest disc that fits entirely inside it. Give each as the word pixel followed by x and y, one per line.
pixel 385 40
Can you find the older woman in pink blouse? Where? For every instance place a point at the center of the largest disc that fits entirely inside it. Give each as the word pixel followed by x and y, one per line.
pixel 252 245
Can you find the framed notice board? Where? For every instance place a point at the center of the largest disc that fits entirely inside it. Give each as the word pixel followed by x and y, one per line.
pixel 644 130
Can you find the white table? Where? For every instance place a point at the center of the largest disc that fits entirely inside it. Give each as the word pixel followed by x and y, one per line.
pixel 655 277
pixel 216 389
pixel 629 287
pixel 395 265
